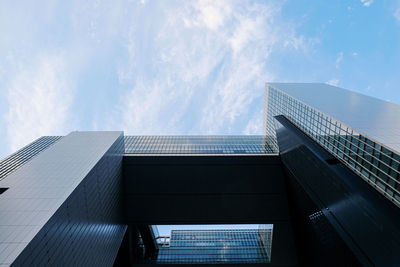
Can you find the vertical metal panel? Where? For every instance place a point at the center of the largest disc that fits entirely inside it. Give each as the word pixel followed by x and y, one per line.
pixel 25 154
pixel 81 220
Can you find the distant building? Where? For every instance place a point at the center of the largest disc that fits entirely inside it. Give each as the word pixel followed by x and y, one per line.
pixel 216 246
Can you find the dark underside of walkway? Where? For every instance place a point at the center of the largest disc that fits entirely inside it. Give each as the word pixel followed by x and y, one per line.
pixel 323 214
pixel 211 190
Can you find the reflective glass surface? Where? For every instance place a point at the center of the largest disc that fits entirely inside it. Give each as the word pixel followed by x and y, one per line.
pixel 377 164
pixel 218 246
pixel 229 144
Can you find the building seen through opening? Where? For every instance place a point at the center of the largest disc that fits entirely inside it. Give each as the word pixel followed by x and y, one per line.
pixel 215 246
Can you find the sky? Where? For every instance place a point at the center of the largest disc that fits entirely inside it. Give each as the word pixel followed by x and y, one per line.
pixel 181 67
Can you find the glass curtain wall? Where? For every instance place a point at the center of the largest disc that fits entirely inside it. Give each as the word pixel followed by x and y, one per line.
pixel 377 164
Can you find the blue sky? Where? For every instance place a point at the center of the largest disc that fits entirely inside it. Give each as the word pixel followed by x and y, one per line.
pixel 181 67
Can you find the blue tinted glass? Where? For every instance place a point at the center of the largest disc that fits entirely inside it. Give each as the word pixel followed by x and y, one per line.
pixel 251 144
pixel 218 246
pixel 347 124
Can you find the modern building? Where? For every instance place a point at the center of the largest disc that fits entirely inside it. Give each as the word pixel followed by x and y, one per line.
pixel 362 132
pixel 325 174
pixel 216 246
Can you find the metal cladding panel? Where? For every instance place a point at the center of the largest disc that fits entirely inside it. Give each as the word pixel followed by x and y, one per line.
pixel 25 154
pixel 63 207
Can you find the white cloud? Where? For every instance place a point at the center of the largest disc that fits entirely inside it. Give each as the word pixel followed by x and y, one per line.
pixel 366 3
pixel 354 54
pixel 233 95
pixel 250 31
pixel 333 82
pixel 247 30
pixel 152 108
pixel 205 69
pixel 39 97
pixel 207 13
pixel 396 14
pixel 190 68
pixel 255 125
pixel 339 60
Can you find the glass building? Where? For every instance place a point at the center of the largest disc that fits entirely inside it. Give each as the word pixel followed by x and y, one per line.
pixel 361 131
pixel 217 246
pixel 228 144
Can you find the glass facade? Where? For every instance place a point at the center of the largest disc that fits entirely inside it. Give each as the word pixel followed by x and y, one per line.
pixel 265 234
pixel 230 144
pixel 217 246
pixel 19 158
pixel 374 162
pixel 377 119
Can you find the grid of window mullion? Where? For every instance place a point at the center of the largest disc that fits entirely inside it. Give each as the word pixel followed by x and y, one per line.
pixel 373 152
pixel 297 120
pixel 378 158
pixel 359 171
pixel 350 150
pixel 371 173
pixel 183 250
pixel 372 147
pixel 346 143
pixel 346 151
pixel 272 105
pixel 196 144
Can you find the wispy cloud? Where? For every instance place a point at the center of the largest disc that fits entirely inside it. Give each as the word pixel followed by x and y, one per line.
pixel 333 82
pixel 207 13
pixel 339 59
pixel 39 97
pixel 247 30
pixel 366 3
pixel 396 14
pixel 205 69
pixel 152 67
pixel 255 124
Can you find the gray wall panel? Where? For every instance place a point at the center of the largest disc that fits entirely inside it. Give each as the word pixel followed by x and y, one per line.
pixel 76 215
pixel 25 154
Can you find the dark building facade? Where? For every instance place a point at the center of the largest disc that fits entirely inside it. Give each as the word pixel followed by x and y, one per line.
pixel 325 174
pixel 64 206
